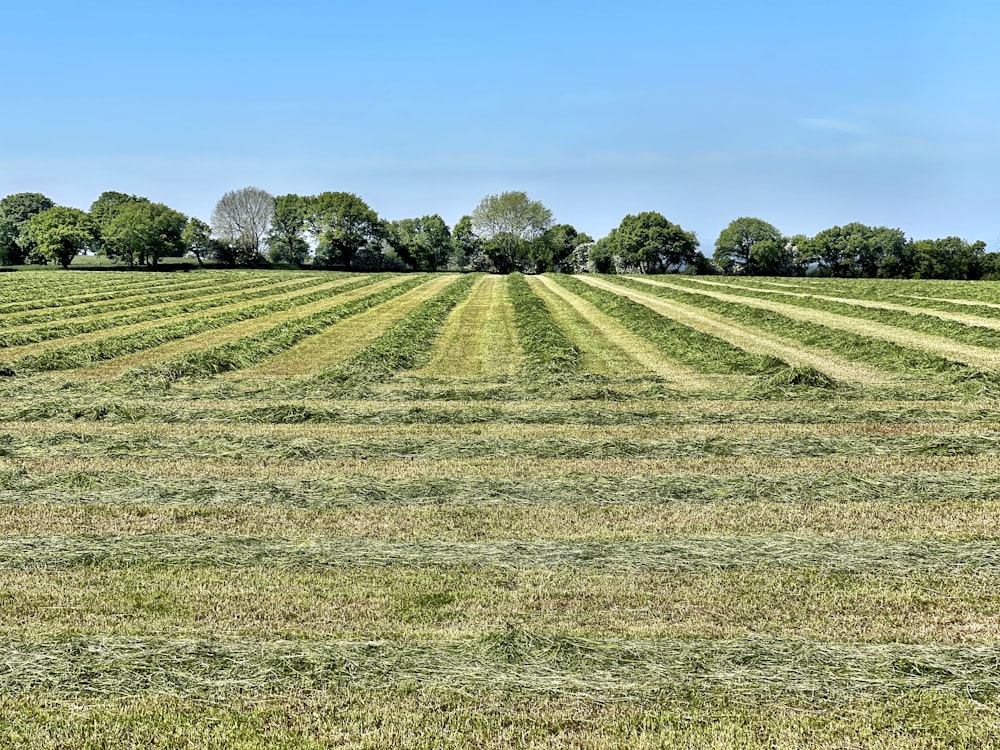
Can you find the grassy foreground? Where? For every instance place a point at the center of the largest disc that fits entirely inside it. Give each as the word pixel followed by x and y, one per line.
pixel 246 510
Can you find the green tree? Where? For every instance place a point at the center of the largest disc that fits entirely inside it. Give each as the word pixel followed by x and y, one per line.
pixel 143 232
pixel 734 249
pixel 555 249
pixel 15 211
pixel 424 244
pixel 197 238
pixel 508 223
pixel 602 257
pixel 468 253
pixel 948 258
pixel 286 240
pixel 649 243
pixel 59 234
pixel 855 250
pixel 343 226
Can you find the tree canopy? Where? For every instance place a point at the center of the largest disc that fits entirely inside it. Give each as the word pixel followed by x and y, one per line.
pixel 649 243
pixel 60 233
pixel 752 246
pixel 15 211
pixel 508 222
pixel 343 226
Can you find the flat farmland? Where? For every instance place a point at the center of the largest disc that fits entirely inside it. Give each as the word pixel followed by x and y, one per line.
pixel 295 509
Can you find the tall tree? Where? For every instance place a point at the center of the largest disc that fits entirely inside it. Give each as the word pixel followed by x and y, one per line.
pixel 242 218
pixel 508 222
pixel 286 240
pixel 143 232
pixel 60 233
pixel 424 244
pixel 15 211
pixel 555 249
pixel 468 252
pixel 858 250
pixel 343 225
pixel 649 243
pixel 752 246
pixel 197 238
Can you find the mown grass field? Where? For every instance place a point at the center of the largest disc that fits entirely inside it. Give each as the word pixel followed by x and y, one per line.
pixel 281 509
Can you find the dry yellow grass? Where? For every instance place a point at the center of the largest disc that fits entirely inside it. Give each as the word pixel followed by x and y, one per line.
pixel 624 433
pixel 751 339
pixel 977 356
pixel 347 337
pixel 114 367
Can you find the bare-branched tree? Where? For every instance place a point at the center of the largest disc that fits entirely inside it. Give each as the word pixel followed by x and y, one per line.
pixel 242 218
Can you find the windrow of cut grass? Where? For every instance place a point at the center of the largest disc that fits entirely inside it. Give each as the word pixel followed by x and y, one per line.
pixel 90 402
pixel 962 493
pixel 151 309
pixel 965 328
pixel 405 345
pixel 343 340
pixel 206 286
pixel 249 350
pixel 547 351
pixel 87 353
pixel 687 554
pixel 479 338
pixel 877 352
pixel 414 603
pixel 675 340
pixel 84 290
pixel 295 443
pixel 509 660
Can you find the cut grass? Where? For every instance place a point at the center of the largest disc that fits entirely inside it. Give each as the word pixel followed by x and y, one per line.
pixel 799 343
pixel 454 718
pixel 479 338
pixel 405 345
pixel 97 347
pixel 684 343
pixel 547 350
pixel 417 551
pixel 346 338
pixel 455 602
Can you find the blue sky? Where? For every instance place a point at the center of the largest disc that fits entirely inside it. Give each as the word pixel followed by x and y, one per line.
pixel 806 114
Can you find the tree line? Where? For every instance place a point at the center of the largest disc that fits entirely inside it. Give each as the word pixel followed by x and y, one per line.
pixel 506 232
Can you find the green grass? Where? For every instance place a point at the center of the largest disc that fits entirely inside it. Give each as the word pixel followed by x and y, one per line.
pixel 386 554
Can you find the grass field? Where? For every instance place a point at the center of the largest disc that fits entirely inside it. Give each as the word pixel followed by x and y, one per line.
pixel 292 509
